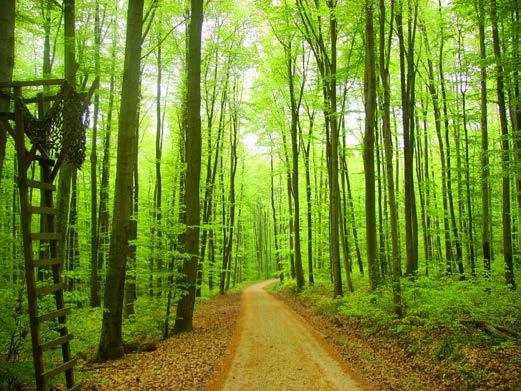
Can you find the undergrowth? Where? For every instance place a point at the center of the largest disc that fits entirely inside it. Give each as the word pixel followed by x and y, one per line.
pixel 440 305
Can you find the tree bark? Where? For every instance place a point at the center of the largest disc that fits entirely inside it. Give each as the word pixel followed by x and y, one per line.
pixel 185 307
pixel 369 140
pixel 66 170
pixel 295 105
pixel 505 147
pixel 111 344
pixel 94 289
pixel 7 27
pixel 388 149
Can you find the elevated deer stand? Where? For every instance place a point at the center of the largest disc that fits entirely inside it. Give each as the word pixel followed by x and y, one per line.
pixel 50 138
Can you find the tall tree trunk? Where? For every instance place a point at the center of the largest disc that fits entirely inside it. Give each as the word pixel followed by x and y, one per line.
pixel 334 188
pixel 485 171
pixel 407 83
pixel 369 141
pixel 103 219
pixel 291 225
pixel 295 105
pixel 157 251
pixel 7 26
pixel 225 273
pixel 94 289
pixel 274 214
pixel 211 171
pixel 66 170
pixel 306 147
pixel 185 307
pixel 468 199
pixel 111 345
pixel 437 120
pixel 505 147
pixel 515 110
pixel 450 197
pixel 326 59
pixel 130 294
pixel 388 149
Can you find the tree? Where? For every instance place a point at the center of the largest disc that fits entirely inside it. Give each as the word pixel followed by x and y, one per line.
pixel 94 292
pixel 505 147
pixel 110 345
pixel 369 140
pixel 407 88
pixel 385 47
pixel 67 169
pixel 326 59
pixel 7 25
pixel 185 307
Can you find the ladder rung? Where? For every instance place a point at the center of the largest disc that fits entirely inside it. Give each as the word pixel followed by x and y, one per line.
pixel 42 210
pixel 45 290
pixel 44 160
pixel 46 262
pixel 56 342
pixel 40 185
pixel 54 315
pixel 77 387
pixel 59 369
pixel 45 236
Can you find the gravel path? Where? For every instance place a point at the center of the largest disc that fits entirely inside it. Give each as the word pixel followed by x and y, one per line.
pixel 276 350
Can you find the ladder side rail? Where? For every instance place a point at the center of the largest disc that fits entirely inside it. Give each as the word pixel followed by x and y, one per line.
pixel 56 274
pixel 25 218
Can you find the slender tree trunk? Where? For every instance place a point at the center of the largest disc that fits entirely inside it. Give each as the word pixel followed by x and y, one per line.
pixel 369 141
pixel 130 295
pixel 103 219
pixel 211 173
pixel 407 78
pixel 505 147
pixel 515 110
pixel 450 197
pixel 210 169
pixel 388 149
pixel 274 214
pixel 7 27
pixel 309 209
pixel 299 272
pixel 66 170
pixel 228 244
pixel 437 120
pixel 158 188
pixel 94 288
pixel 185 307
pixel 111 345
pixel 468 199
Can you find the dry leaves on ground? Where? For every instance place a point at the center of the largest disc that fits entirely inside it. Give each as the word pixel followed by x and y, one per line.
pixel 182 362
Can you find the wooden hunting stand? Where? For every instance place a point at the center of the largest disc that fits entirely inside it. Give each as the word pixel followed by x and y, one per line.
pixel 51 137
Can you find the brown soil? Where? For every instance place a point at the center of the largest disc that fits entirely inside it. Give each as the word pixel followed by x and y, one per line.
pixel 277 350
pixel 182 362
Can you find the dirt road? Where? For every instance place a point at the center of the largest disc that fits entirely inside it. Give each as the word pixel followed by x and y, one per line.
pixel 275 350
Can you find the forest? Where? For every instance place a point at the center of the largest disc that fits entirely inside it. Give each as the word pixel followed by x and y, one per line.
pixel 181 178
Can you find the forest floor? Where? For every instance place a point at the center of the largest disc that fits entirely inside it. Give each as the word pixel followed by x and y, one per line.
pixel 275 349
pixel 183 362
pixel 410 361
pixel 282 341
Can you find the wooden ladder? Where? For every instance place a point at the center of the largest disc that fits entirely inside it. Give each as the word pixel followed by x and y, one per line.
pixel 36 265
